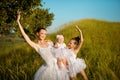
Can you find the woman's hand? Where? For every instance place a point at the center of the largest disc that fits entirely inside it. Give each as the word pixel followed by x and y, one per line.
pixel 18 16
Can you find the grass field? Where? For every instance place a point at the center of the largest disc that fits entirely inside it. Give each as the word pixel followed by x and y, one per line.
pixel 101 52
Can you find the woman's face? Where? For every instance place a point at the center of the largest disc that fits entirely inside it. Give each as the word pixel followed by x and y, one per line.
pixel 42 34
pixel 71 44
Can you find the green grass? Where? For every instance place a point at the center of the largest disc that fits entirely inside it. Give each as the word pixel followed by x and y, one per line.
pixel 101 52
pixel 101 48
pixel 18 61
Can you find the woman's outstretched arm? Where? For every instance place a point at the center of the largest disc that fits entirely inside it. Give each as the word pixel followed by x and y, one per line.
pixel 81 40
pixel 32 44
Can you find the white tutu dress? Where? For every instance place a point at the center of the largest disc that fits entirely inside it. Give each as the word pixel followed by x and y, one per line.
pixel 75 65
pixel 62 45
pixel 50 70
pixel 59 52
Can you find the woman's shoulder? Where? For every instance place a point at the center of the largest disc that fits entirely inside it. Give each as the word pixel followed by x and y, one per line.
pixel 48 40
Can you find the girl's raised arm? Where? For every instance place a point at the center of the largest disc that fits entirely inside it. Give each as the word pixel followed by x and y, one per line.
pixel 81 40
pixel 31 43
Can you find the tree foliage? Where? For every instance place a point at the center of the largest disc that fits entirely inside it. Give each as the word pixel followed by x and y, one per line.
pixel 33 15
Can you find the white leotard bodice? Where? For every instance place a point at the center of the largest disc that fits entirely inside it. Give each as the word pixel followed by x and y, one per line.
pixel 46 54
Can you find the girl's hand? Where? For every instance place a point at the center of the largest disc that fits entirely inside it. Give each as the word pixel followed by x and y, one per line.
pixel 78 29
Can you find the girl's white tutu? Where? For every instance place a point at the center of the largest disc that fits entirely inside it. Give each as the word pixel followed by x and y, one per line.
pixel 75 65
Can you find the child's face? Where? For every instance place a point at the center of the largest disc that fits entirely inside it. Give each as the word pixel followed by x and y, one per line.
pixel 60 40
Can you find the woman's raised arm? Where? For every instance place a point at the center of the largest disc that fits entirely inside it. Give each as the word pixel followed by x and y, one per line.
pixel 31 43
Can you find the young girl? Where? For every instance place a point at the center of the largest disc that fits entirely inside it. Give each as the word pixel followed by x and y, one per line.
pixel 58 50
pixel 76 65
pixel 60 42
pixel 73 64
pixel 50 70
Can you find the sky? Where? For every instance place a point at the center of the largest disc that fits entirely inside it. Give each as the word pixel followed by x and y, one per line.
pixel 66 11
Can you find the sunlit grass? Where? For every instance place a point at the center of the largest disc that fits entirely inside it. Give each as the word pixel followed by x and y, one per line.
pixel 101 48
pixel 101 52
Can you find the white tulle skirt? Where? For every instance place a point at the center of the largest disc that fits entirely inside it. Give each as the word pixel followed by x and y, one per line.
pixel 51 72
pixel 76 66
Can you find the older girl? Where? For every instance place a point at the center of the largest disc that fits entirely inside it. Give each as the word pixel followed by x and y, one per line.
pixel 76 65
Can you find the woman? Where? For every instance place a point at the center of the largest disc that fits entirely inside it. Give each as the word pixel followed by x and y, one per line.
pixel 76 65
pixel 50 70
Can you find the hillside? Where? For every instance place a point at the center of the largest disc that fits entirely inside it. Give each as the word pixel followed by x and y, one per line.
pixel 101 51
pixel 101 48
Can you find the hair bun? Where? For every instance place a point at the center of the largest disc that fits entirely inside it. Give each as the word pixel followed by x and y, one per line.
pixel 77 39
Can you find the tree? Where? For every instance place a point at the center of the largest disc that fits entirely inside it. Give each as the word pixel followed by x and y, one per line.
pixel 32 12
pixel 38 18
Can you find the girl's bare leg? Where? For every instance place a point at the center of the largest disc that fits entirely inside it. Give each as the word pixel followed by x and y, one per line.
pixel 64 62
pixel 59 62
pixel 83 74
pixel 74 78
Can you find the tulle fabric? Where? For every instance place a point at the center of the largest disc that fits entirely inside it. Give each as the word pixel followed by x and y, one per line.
pixel 75 65
pixel 50 70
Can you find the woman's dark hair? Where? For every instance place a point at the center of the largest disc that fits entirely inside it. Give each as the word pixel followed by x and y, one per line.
pixel 77 40
pixel 38 29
